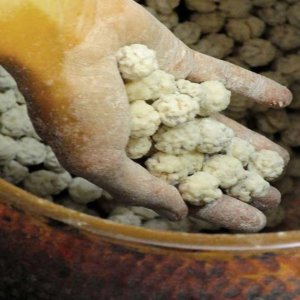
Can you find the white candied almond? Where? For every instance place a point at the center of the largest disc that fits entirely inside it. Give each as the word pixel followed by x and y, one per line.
pixel 163 6
pixel 169 20
pixel 210 22
pixel 240 103
pixel 144 213
pixel 126 219
pixel 214 136
pixel 8 149
pixel 240 149
pixel 168 167
pixel 44 183
pixel 151 87
pixel 293 14
pixel 6 80
pixel 188 32
pixel 158 224
pixel 124 215
pixel 235 8
pixel 289 67
pixel 82 191
pixel 51 162
pixel 15 122
pixel 272 121
pixel 189 88
pixel 285 37
pixel 7 100
pixel 217 45
pixel 183 225
pixel 176 109
pixel 138 147
pixel 242 30
pixel 30 152
pixel 227 169
pixel 144 119
pixel 200 188
pixel 257 52
pixel 14 172
pixel 275 14
pixel 193 161
pixel 136 61
pixel 202 6
pixel 215 97
pixel 269 164
pixel 253 185
pixel 178 140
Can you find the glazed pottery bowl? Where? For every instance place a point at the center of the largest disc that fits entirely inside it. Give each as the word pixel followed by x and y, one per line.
pixel 51 252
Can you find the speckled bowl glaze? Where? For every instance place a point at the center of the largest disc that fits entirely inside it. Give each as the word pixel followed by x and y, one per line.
pixel 50 252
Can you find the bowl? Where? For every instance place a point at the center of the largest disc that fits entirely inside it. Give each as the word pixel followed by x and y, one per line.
pixel 50 252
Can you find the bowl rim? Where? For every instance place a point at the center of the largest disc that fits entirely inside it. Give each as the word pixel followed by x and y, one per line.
pixel 18 198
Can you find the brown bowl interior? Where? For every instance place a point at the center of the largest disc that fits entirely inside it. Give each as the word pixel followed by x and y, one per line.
pixel 287 235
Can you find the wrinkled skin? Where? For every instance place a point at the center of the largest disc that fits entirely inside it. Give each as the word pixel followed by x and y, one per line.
pixel 61 53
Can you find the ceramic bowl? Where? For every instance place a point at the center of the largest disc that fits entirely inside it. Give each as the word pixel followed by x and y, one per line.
pixel 51 252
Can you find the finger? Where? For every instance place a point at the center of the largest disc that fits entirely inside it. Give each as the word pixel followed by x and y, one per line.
pixel 173 55
pixel 233 214
pixel 271 200
pixel 134 185
pixel 177 58
pixel 242 81
pixel 257 140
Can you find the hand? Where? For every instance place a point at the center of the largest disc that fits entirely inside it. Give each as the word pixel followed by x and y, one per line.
pixel 66 68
